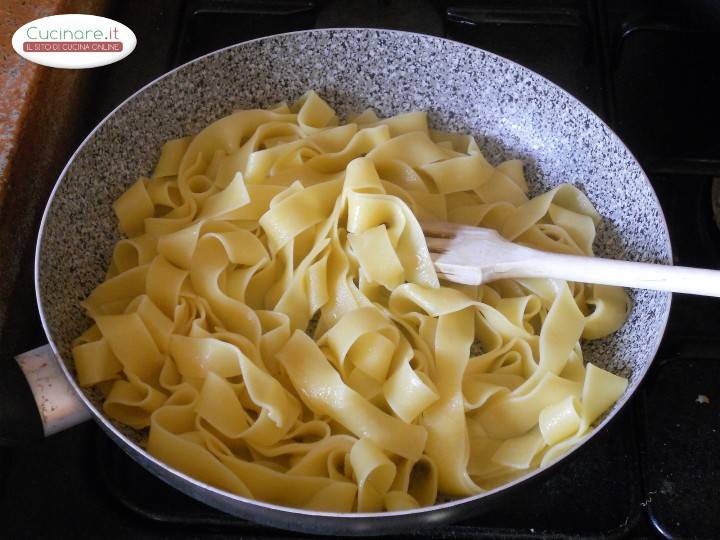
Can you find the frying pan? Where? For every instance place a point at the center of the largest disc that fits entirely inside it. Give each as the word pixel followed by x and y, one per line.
pixel 513 113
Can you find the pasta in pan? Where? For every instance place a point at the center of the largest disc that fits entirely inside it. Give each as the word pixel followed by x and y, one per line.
pixel 274 320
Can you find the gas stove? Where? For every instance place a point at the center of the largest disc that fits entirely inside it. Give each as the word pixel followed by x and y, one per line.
pixel 650 70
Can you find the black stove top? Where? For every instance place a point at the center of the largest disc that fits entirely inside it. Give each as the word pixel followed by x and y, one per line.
pixel 650 69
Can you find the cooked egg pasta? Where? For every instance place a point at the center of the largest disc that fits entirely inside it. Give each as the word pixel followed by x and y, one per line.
pixel 274 320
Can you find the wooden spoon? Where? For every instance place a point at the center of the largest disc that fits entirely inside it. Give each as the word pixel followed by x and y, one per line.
pixel 473 255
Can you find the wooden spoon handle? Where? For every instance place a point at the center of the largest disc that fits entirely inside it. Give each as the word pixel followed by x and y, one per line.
pixel 611 272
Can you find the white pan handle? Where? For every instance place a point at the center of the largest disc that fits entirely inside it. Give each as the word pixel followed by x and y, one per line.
pixel 51 405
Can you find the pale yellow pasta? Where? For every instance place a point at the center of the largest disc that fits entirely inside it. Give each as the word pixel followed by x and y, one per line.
pixel 274 320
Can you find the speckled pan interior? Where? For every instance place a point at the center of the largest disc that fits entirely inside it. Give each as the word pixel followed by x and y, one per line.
pixel 512 112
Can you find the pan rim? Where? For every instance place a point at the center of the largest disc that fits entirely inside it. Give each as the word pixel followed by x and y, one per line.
pixel 132 448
